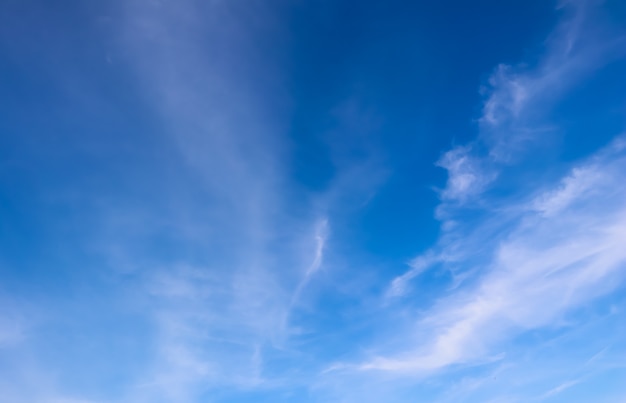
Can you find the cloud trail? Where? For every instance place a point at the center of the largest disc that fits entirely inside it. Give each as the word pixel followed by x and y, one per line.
pixel 531 260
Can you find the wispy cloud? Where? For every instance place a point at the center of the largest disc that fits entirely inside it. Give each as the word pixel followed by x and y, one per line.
pixel 321 233
pixel 533 260
pixel 231 260
pixel 533 279
pixel 560 388
pixel 419 265
pixel 197 270
pixel 518 99
pixel 467 174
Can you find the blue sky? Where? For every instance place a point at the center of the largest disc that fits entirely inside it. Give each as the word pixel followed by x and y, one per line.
pixel 312 201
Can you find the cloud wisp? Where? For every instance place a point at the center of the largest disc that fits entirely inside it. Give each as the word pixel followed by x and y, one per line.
pixel 231 260
pixel 530 261
pixel 518 100
pixel 211 201
pixel 551 262
pixel 321 234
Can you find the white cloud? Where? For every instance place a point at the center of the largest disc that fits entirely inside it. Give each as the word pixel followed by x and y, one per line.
pixel 541 268
pixel 517 94
pixel 560 388
pixel 518 97
pixel 532 260
pixel 467 175
pixel 221 301
pixel 418 266
pixel 321 234
pixel 580 182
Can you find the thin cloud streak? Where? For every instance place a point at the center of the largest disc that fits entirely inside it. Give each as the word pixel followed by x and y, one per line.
pixel 217 314
pixel 211 272
pixel 517 98
pixel 545 267
pixel 321 233
pixel 560 388
pixel 533 261
pixel 418 266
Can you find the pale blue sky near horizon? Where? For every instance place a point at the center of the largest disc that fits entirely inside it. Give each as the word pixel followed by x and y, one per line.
pixel 312 201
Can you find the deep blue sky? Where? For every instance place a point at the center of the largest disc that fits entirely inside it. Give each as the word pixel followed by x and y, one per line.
pixel 312 201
